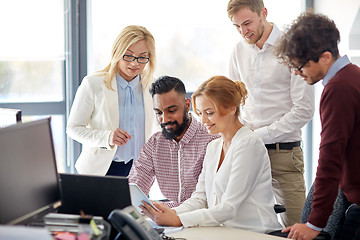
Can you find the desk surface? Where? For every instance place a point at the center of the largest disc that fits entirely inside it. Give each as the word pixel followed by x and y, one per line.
pixel 216 233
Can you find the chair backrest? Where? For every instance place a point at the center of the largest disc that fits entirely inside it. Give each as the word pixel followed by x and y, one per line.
pixel 337 216
pixel 279 208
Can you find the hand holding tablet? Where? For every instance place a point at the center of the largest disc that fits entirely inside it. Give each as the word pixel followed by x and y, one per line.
pixel 137 196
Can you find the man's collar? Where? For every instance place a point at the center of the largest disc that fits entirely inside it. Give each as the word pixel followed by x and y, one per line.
pixel 271 40
pixel 336 67
pixel 273 37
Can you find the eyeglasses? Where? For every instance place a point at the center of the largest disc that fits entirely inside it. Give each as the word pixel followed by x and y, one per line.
pixel 130 58
pixel 299 68
pixel 314 58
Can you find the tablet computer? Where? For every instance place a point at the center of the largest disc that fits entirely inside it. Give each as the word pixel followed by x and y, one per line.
pixel 137 196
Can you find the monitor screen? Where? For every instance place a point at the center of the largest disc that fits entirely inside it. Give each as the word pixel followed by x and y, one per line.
pixel 9 116
pixel 29 183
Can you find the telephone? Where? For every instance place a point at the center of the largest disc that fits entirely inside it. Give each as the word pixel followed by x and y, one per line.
pixel 132 225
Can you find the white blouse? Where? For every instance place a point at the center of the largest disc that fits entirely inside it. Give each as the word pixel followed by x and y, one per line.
pixel 240 193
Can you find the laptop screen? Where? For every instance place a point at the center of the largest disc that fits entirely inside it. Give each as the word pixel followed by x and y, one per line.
pixel 94 195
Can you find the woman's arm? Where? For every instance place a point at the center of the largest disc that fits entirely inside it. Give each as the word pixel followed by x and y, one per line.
pixel 81 115
pixel 246 166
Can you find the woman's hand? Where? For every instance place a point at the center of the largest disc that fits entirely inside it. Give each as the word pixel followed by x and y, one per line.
pixel 164 216
pixel 119 137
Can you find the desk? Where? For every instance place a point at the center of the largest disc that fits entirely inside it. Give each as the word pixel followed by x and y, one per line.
pixel 216 233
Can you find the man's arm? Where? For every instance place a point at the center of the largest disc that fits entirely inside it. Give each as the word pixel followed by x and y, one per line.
pixel 338 117
pixel 302 96
pixel 233 70
pixel 142 172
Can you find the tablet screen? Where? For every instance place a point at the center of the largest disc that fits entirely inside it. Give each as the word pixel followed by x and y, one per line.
pixel 137 196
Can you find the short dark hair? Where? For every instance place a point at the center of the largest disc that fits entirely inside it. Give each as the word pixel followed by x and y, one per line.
pixel 165 84
pixel 309 35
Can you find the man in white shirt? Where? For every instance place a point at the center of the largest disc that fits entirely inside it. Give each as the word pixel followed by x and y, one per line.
pixel 278 104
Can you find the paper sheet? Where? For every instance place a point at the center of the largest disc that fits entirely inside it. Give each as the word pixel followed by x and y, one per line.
pixel 167 230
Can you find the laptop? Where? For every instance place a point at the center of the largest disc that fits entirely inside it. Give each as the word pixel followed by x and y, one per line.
pixel 94 195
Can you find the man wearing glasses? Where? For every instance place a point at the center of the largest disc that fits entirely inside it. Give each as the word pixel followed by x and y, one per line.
pixel 311 43
pixel 278 104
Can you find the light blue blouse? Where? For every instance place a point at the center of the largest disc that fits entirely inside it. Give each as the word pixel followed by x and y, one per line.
pixel 131 118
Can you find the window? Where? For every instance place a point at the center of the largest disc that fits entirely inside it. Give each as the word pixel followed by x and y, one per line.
pixel 32 59
pixel 194 39
pixel 192 43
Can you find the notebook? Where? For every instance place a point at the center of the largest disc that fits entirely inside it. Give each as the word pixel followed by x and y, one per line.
pixel 94 195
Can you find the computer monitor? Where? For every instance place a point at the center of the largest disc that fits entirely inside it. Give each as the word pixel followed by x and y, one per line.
pixel 9 116
pixel 29 183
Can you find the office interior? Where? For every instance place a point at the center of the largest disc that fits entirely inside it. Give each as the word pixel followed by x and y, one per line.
pixel 47 47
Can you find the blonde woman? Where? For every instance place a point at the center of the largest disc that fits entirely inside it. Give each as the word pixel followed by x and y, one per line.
pixel 234 187
pixel 111 115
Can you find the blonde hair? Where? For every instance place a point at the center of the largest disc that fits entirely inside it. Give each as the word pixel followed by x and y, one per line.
pixel 128 36
pixel 234 6
pixel 223 92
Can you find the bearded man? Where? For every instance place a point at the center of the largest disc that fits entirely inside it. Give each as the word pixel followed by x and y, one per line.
pixel 175 155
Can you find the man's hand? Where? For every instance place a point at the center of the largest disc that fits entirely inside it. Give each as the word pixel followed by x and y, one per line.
pixel 164 216
pixel 301 232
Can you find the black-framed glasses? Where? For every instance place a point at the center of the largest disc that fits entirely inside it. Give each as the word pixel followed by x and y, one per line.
pixel 299 68
pixel 314 58
pixel 131 58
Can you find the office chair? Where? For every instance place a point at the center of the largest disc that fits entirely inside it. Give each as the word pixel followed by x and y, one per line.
pixel 279 208
pixel 335 220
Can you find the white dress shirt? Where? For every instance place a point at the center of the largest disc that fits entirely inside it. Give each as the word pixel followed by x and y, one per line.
pixel 131 117
pixel 239 194
pixel 279 103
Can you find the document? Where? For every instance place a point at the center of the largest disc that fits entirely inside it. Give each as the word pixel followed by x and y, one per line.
pixel 167 230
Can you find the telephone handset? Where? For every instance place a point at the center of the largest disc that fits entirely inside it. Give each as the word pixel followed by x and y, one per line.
pixel 132 225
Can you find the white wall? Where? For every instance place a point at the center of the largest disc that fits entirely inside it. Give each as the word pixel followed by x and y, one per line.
pixel 343 13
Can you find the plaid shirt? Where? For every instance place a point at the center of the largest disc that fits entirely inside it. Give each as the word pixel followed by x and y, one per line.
pixel 176 165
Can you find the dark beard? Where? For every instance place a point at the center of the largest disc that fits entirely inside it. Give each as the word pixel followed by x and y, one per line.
pixel 172 134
